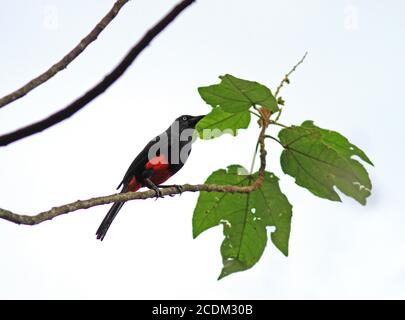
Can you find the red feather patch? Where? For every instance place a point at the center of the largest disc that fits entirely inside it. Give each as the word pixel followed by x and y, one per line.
pixel 160 166
pixel 133 185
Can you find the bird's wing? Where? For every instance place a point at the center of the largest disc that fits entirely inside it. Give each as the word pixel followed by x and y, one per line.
pixel 141 159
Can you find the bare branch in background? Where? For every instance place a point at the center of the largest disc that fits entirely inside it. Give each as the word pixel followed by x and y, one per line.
pixel 67 59
pixel 101 86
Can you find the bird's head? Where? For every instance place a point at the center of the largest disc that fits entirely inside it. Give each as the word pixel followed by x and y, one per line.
pixel 188 122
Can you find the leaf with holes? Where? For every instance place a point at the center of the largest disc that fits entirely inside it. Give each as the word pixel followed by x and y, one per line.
pixel 244 217
pixel 338 142
pixel 235 95
pixel 218 122
pixel 321 159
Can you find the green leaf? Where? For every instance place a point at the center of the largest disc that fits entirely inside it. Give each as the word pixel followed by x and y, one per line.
pixel 236 95
pixel 321 159
pixel 244 217
pixel 218 122
pixel 338 142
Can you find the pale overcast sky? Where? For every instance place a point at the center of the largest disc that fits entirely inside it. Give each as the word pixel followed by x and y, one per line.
pixel 352 81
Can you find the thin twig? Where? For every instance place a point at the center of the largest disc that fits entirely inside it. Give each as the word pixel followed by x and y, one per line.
pixel 286 77
pixel 67 59
pixel 85 204
pixel 279 114
pixel 254 158
pixel 101 86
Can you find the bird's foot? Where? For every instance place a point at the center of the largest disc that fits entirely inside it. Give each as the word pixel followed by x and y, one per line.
pixel 154 187
pixel 158 193
pixel 178 188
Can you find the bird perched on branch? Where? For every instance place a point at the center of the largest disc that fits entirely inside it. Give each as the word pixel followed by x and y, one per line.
pixel 161 158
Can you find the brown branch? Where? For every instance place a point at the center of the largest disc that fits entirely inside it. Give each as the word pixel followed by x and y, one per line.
pixel 86 204
pixel 101 86
pixel 67 59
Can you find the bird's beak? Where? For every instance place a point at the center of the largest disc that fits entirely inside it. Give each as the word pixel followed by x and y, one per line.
pixel 194 120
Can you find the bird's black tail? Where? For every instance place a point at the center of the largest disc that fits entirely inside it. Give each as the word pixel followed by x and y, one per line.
pixel 108 219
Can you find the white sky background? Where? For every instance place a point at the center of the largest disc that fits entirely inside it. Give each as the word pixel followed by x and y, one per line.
pixel 352 82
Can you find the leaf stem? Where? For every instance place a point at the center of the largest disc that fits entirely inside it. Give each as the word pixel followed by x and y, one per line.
pixel 278 124
pixel 256 114
pixel 275 139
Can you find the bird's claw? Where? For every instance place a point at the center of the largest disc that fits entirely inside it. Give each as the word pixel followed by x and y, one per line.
pixel 179 188
pixel 158 194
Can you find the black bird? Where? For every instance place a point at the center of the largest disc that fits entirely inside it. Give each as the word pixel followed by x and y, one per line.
pixel 161 158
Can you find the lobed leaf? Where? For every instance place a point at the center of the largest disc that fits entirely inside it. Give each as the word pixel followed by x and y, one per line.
pixel 321 159
pixel 218 122
pixel 235 95
pixel 244 217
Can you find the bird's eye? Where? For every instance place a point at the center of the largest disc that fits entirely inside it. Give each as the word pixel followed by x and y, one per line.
pixel 184 118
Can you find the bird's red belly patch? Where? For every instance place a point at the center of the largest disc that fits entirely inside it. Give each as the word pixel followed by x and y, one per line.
pixel 157 163
pixel 161 172
pixel 160 176
pixel 160 167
